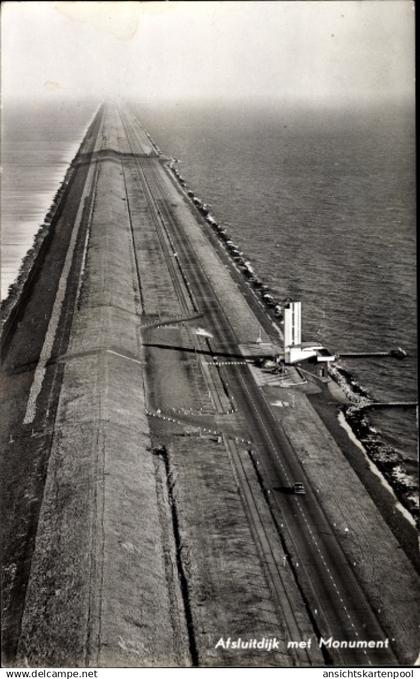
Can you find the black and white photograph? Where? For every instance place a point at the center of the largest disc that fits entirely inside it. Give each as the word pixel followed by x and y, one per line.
pixel 208 336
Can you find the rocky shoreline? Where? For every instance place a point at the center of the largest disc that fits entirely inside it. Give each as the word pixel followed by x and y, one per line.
pixel 390 462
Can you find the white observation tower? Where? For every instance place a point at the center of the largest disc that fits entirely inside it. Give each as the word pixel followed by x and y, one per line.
pixel 294 349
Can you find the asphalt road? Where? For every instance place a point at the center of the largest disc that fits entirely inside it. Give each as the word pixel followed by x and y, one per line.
pixel 337 603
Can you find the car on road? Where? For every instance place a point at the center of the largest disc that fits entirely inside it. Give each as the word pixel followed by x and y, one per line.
pixel 299 488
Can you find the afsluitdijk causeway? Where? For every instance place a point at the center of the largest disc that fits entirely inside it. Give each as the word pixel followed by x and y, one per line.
pixel 158 498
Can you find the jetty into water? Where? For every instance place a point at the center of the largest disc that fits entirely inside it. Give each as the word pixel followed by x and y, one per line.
pixel 157 497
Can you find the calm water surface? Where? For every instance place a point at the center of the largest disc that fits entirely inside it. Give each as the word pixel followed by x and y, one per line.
pixel 322 202
pixel 38 143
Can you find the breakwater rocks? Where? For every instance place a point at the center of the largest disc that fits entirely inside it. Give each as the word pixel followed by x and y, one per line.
pixel 240 260
pixel 389 461
pixel 154 145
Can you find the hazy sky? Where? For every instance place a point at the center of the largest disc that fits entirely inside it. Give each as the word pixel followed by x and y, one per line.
pixel 308 50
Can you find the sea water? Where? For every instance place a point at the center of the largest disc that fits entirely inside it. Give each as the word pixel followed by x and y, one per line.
pixel 39 140
pixel 320 200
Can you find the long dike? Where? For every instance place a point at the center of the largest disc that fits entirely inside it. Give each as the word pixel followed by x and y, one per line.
pixel 144 513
